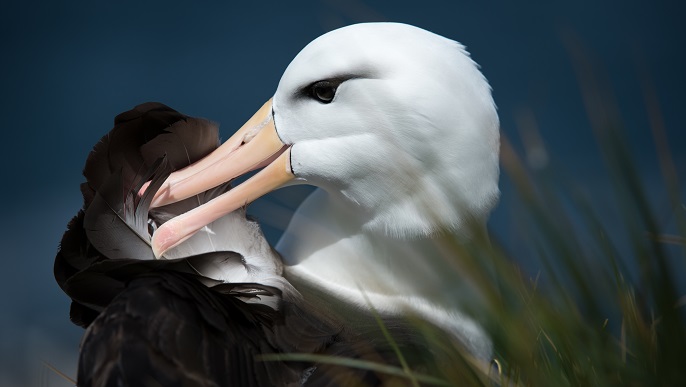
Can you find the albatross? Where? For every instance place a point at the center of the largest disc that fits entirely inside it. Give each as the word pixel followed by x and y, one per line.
pixel 396 127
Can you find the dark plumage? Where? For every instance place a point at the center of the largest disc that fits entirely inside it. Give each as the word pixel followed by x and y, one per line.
pixel 166 330
pixel 173 322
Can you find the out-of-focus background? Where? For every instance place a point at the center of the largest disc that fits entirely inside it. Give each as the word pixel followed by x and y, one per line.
pixel 68 68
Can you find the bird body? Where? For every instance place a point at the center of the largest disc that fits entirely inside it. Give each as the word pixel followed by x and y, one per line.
pixel 396 127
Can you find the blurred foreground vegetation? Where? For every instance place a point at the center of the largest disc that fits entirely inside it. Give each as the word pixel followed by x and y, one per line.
pixel 608 305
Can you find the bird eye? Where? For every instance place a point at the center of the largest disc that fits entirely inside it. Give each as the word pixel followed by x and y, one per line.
pixel 152 227
pixel 323 91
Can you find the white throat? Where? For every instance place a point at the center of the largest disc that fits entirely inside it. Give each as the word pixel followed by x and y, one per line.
pixel 326 248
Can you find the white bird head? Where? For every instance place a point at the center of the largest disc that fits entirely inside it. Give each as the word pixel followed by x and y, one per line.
pixel 395 121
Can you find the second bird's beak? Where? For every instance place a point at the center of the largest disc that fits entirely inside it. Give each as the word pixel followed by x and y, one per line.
pixel 255 145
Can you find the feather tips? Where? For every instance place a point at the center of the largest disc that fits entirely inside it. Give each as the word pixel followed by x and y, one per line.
pixel 109 218
pixel 146 144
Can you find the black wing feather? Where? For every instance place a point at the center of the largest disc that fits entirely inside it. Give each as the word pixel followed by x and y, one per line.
pixel 166 329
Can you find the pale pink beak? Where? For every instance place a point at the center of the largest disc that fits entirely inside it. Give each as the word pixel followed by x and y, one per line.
pixel 256 144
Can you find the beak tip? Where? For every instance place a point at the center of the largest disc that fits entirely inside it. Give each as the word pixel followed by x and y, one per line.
pixel 157 253
pixel 157 250
pixel 162 240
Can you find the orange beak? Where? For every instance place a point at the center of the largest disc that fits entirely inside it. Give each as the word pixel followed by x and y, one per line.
pixel 256 144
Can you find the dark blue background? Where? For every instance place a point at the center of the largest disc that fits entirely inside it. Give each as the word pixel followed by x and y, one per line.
pixel 67 69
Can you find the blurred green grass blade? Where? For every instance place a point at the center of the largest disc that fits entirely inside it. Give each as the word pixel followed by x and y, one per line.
pixel 354 363
pixel 391 341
